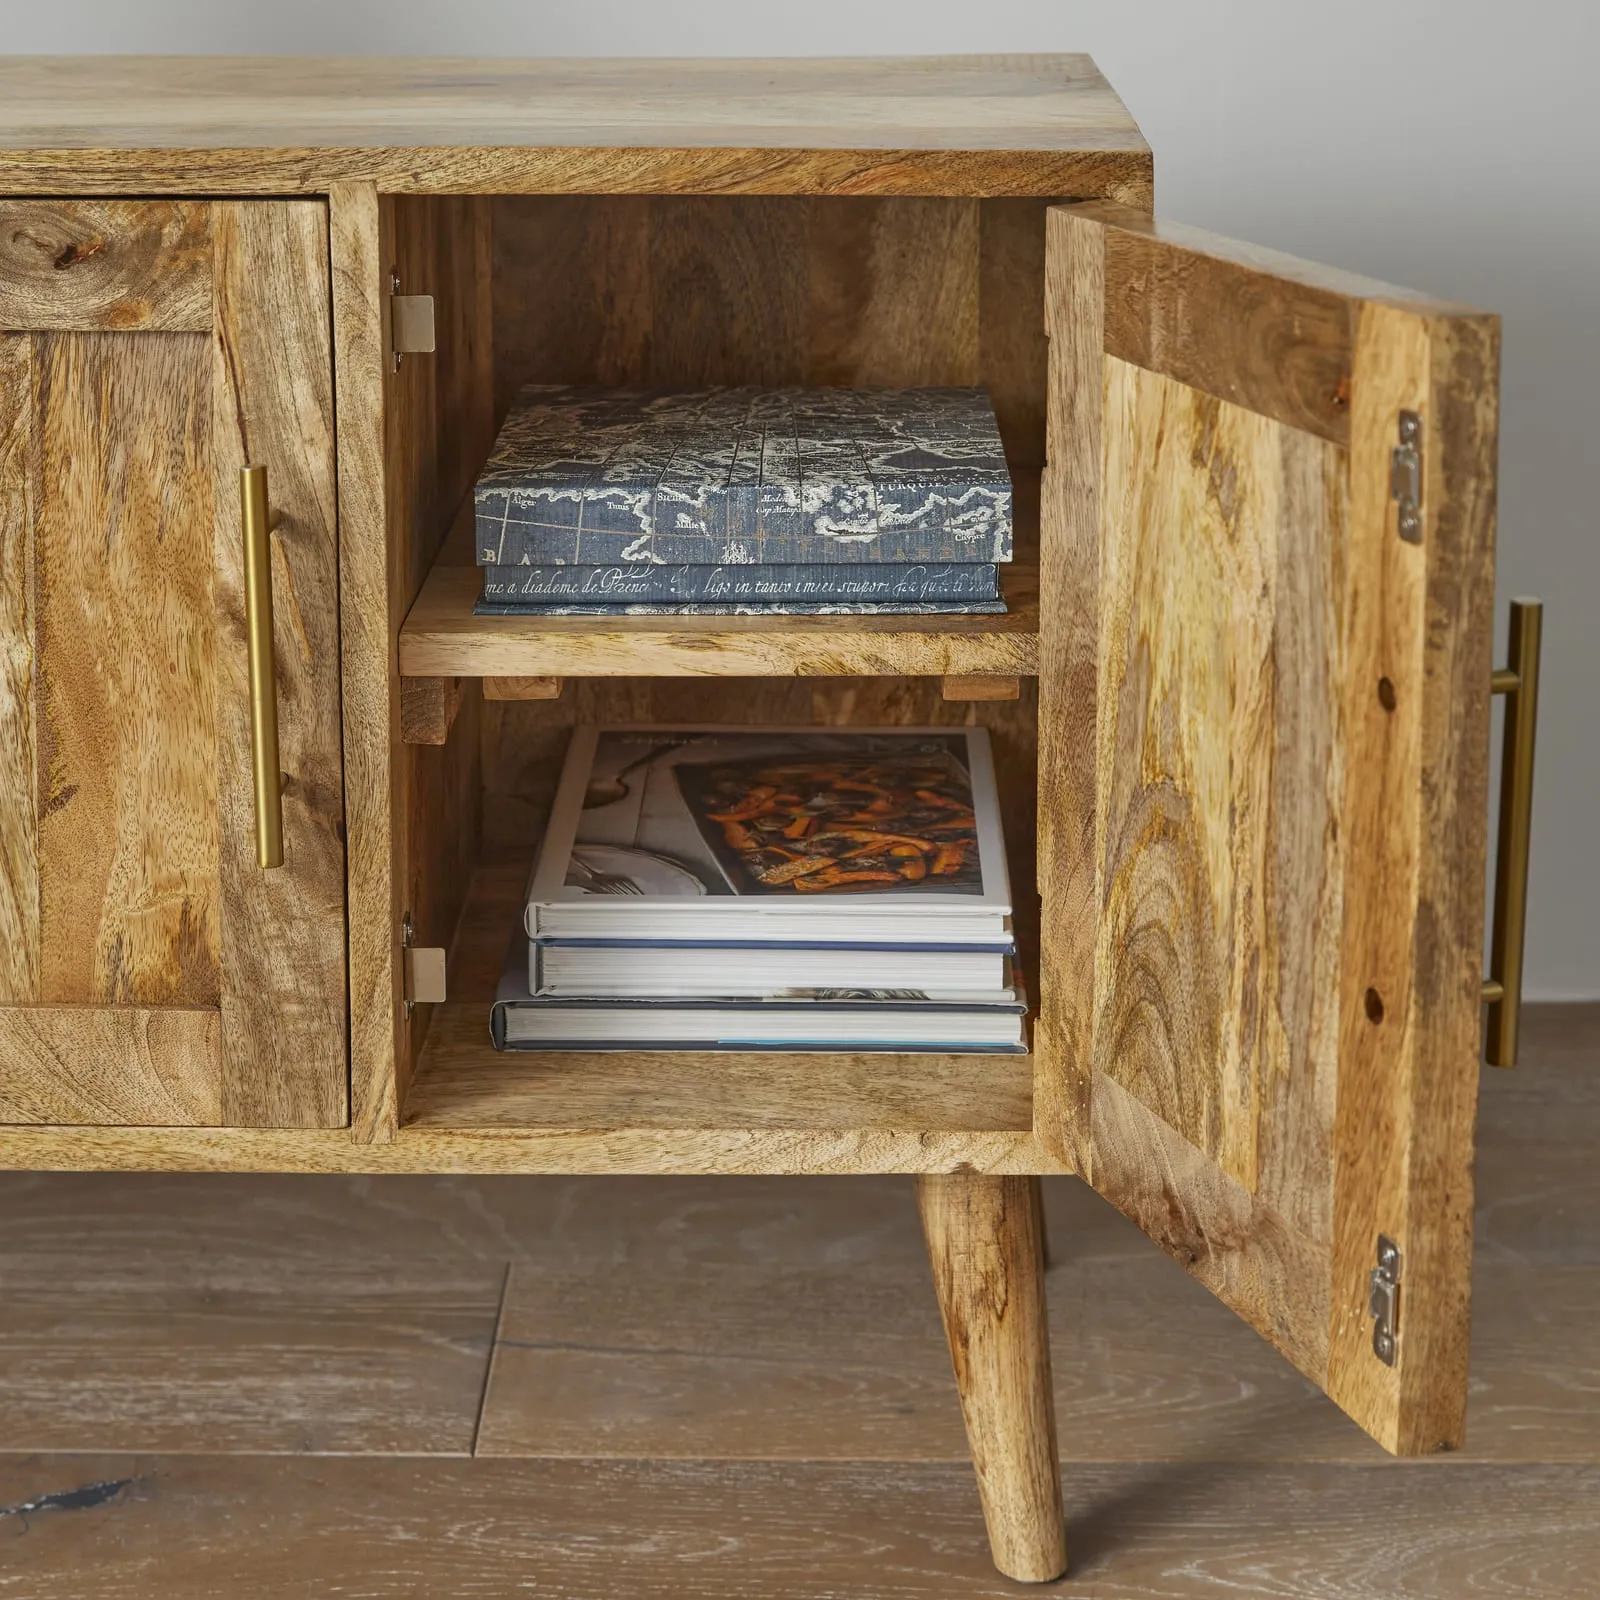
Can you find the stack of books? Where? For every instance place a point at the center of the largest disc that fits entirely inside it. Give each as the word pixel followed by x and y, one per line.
pixel 734 501
pixel 768 888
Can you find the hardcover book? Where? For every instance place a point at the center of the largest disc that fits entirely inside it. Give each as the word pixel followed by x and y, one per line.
pixel 847 1018
pixel 705 860
pixel 646 583
pixel 744 476
pixel 768 608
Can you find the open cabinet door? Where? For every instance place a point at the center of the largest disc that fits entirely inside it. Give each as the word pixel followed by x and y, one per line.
pixel 1267 600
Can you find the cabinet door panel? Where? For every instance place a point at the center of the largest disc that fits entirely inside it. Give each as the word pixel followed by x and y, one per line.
pixel 140 981
pixel 124 671
pixel 1265 714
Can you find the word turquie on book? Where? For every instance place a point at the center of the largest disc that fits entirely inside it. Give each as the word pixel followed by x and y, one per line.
pixel 742 500
pixel 768 888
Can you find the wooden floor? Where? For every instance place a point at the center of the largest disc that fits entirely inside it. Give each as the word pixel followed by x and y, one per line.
pixel 629 1388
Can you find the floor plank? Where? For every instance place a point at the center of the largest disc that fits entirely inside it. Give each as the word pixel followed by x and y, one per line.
pixel 233 1314
pixel 288 1372
pixel 371 1529
pixel 690 1352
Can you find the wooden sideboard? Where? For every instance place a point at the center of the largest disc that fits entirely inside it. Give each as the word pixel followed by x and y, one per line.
pixel 1240 703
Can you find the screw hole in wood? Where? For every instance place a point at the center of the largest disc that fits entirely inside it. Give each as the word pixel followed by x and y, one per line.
pixel 1386 697
pixel 1374 1006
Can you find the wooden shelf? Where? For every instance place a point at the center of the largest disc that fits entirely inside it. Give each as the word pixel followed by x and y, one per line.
pixel 462 1082
pixel 441 638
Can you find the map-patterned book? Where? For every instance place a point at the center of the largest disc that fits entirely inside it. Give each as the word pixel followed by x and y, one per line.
pixel 745 476
pixel 649 583
pixel 752 608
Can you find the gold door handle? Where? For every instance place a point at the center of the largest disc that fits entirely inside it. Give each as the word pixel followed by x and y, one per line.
pixel 1519 683
pixel 257 518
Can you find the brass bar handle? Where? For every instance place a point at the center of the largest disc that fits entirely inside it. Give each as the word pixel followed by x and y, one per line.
pixel 1519 683
pixel 257 517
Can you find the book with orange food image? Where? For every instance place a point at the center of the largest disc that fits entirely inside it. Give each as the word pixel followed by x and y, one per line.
pixel 737 861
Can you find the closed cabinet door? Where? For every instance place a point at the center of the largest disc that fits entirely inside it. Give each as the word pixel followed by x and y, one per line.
pixel 152 970
pixel 1268 580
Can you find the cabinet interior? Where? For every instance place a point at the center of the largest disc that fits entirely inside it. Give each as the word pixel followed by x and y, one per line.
pixel 617 290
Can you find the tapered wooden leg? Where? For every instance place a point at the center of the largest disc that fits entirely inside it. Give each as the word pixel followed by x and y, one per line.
pixel 984 1243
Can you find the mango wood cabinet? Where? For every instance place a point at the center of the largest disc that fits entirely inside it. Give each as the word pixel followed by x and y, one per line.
pixel 1240 703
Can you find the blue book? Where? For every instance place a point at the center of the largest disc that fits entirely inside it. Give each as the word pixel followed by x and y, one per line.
pixel 636 583
pixel 758 608
pixel 745 476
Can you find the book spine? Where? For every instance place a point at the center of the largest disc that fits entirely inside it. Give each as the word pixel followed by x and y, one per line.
pixel 871 608
pixel 523 526
pixel 647 584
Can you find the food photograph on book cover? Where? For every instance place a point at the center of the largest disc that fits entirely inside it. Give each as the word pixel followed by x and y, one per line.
pixel 777 813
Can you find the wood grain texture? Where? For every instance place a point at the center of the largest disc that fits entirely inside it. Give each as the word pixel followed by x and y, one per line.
pixel 516 1151
pixel 428 709
pixel 110 1064
pixel 19 832
pixel 1422 617
pixel 124 671
pixel 228 1315
pixel 826 1343
pixel 983 686
pixel 572 299
pixel 1219 869
pixel 1013 349
pixel 283 932
pixel 523 688
pixel 370 704
pixel 1228 254
pixel 952 125
pixel 1184 1531
pixel 987 1255
pixel 441 426
pixel 1231 1239
pixel 608 290
pixel 1288 353
pixel 461 1081
pixel 1290 325
pixel 1264 1101
pixel 130 803
pixel 893 292
pixel 733 273
pixel 1069 595
pixel 122 265
pixel 442 638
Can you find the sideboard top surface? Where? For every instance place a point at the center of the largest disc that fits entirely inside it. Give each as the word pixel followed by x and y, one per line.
pixel 996 124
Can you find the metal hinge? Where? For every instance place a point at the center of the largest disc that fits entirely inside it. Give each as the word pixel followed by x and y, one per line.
pixel 1405 477
pixel 411 329
pixel 1383 1300
pixel 424 970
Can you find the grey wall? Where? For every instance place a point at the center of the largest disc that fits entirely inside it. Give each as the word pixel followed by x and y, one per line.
pixel 1452 145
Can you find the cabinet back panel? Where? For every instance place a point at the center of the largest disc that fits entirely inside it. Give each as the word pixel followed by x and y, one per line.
pixel 673 290
pixel 111 856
